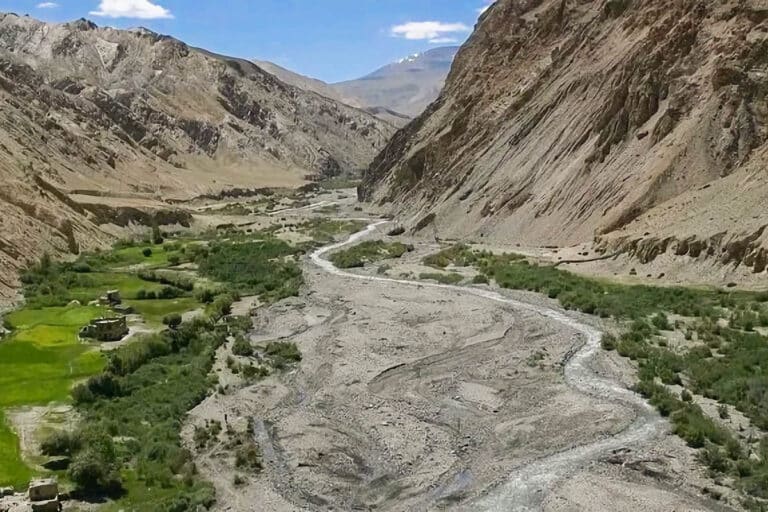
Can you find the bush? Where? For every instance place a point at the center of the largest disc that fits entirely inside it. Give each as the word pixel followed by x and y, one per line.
pixel 174 260
pixel 722 411
pixel 241 347
pixel 608 341
pixel 249 457
pixel 93 469
pixel 141 294
pixel 61 443
pixel 282 353
pixel 205 295
pixel 169 292
pixel 147 252
pixel 661 322
pixel 81 267
pixel 686 396
pixel 368 252
pixel 448 278
pixel 220 307
pixel 172 321
pixel 480 279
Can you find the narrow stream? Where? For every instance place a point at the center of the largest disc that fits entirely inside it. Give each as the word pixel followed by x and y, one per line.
pixel 528 485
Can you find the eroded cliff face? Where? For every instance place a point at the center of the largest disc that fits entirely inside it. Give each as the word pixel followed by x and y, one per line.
pixel 136 114
pixel 568 121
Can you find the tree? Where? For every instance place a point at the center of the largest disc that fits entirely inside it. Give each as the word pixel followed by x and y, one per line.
pixel 147 252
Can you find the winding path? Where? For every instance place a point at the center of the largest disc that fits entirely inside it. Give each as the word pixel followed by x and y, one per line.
pixel 527 485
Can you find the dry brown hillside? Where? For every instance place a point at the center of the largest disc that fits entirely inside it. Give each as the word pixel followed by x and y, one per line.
pixel 638 124
pixel 138 115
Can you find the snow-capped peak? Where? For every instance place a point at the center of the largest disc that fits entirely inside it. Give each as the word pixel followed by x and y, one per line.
pixel 409 58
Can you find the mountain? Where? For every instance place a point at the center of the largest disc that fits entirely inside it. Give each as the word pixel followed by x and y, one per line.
pixel 306 83
pixel 640 127
pixel 405 87
pixel 138 116
pixel 394 93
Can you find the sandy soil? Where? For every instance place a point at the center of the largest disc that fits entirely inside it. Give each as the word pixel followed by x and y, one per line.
pixel 419 397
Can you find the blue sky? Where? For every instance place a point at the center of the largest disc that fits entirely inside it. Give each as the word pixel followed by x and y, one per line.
pixel 329 39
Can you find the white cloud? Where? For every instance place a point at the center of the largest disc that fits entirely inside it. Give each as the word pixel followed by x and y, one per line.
pixel 141 9
pixel 430 30
pixel 47 5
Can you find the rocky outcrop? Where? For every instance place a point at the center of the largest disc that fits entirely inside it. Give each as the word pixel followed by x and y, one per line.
pixel 563 121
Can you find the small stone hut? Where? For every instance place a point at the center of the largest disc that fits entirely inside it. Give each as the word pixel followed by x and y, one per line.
pixel 106 329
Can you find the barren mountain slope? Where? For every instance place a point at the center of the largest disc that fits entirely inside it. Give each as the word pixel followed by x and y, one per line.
pixel 642 124
pixel 306 83
pixel 132 113
pixel 405 87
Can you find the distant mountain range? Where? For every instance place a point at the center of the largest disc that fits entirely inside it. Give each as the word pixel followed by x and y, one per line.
pixel 396 92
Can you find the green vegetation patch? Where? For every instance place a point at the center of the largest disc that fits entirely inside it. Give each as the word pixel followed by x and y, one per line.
pixel 458 255
pixel 13 471
pixel 133 412
pixel 153 311
pixel 266 268
pixel 369 251
pixel 324 231
pixel 442 277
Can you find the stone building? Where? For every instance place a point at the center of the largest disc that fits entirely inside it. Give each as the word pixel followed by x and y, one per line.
pixel 106 329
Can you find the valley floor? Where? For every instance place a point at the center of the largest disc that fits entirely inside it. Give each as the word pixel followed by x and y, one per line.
pixel 411 395
pixel 418 397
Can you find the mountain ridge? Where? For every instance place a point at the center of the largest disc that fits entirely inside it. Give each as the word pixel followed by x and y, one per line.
pixel 595 122
pixel 120 113
pixel 395 92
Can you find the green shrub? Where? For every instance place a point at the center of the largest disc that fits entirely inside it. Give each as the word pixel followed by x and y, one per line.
pixel 447 278
pixel 608 341
pixel 61 443
pixel 169 292
pixel 205 295
pixel 81 267
pixel 172 321
pixel 241 347
pixel 458 255
pixel 368 252
pixel 282 353
pixel 147 252
pixel 661 322
pixel 480 279
pixel 248 456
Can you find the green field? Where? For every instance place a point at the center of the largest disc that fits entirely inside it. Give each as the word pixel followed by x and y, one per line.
pixel 43 358
pixel 141 390
pixel 154 311
pixel 39 363
pixel 13 471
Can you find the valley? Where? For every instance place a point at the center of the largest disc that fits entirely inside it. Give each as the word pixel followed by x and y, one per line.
pixel 404 392
pixel 526 273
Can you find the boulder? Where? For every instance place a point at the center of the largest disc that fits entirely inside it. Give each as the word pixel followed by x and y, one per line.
pixel 43 490
pixel 46 506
